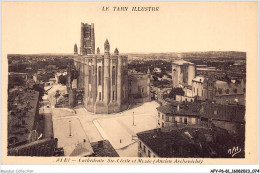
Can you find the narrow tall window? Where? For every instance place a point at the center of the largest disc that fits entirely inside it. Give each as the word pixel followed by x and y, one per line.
pixel 99 96
pixel 149 153
pixel 99 75
pixel 113 75
pixel 113 95
pixel 89 75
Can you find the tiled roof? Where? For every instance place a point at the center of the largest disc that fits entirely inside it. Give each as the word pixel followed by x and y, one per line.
pixel 25 100
pixel 198 137
pixel 104 151
pixel 82 149
pixel 167 109
pixel 44 147
pixel 188 109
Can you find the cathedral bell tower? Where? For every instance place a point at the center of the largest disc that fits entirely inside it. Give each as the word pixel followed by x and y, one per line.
pixel 87 39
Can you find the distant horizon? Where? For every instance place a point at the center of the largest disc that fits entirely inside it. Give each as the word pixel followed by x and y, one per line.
pixel 126 53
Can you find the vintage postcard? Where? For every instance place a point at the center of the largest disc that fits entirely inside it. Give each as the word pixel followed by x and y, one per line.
pixel 129 83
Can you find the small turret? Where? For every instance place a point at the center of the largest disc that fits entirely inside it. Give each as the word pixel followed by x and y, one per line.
pixel 107 46
pixel 75 49
pixel 148 71
pixel 116 52
pixel 98 50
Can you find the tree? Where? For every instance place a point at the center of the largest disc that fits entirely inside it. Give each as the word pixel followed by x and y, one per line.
pixel 40 89
pixel 176 91
pixel 15 81
pixel 63 79
pixel 74 74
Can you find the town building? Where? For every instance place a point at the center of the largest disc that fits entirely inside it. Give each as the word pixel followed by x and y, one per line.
pixel 229 92
pixel 82 149
pixel 103 149
pixel 188 94
pixel 182 73
pixel 45 147
pixel 206 86
pixel 23 117
pixel 161 93
pixel 139 87
pixel 175 114
pixel 226 116
pixel 198 87
pixel 189 141
pixel 204 70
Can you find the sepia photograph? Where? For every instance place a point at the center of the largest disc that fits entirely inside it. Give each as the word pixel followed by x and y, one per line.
pixel 157 82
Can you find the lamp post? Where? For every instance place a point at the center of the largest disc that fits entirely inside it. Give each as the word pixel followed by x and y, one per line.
pixel 70 128
pixel 43 107
pixel 133 118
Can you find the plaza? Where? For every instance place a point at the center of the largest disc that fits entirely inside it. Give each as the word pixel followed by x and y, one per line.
pixel 119 128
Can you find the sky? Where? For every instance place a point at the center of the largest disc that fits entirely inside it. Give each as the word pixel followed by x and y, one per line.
pixel 54 27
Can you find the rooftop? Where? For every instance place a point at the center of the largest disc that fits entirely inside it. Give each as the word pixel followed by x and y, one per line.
pixel 104 150
pixel 199 79
pixel 187 109
pixel 230 88
pixel 22 104
pixel 187 141
pixel 207 69
pixel 44 147
pixel 82 149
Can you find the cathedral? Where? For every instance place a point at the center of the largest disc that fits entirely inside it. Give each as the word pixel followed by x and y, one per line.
pixel 103 78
